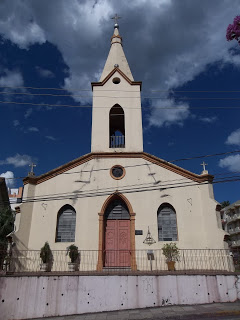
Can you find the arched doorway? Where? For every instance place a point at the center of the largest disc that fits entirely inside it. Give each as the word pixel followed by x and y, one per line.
pixel 117 235
pixel 116 221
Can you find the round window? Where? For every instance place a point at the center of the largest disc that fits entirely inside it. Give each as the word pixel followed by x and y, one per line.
pixel 116 80
pixel 117 172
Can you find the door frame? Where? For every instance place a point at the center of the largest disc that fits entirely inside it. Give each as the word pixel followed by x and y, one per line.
pixel 102 232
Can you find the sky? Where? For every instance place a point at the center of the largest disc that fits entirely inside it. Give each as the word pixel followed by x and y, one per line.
pixel 178 49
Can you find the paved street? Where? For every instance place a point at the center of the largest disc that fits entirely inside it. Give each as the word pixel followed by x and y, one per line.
pixel 206 311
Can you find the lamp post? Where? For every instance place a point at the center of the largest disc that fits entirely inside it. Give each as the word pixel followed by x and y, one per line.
pixel 149 241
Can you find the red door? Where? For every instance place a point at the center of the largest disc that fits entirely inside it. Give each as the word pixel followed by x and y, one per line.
pixel 117 243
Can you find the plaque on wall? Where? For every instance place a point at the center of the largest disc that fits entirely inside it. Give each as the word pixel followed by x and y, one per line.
pixel 138 232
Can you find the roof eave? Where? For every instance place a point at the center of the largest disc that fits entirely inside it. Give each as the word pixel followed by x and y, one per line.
pixel 153 159
pixel 116 69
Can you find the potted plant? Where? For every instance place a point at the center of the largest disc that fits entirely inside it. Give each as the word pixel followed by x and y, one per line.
pixel 46 256
pixel 172 254
pixel 73 253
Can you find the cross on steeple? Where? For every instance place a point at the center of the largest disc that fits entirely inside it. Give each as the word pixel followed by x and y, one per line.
pixel 204 165
pixel 205 171
pixel 31 173
pixel 116 17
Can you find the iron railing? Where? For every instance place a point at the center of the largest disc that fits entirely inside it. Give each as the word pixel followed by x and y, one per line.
pixel 117 142
pixel 123 261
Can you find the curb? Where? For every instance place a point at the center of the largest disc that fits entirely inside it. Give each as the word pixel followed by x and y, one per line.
pixel 213 315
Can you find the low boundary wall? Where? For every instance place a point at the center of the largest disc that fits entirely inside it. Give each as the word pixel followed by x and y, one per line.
pixel 44 296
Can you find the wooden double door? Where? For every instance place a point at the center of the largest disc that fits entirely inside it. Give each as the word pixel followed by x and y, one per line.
pixel 117 243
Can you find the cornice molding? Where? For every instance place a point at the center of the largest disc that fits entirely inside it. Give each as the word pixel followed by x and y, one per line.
pixel 142 155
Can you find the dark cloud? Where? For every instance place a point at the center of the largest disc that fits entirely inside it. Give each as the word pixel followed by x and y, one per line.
pixel 167 43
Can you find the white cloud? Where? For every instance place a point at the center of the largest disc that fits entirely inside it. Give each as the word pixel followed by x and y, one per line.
pixel 45 73
pixel 234 138
pixel 33 129
pixel 208 119
pixel 16 123
pixel 17 160
pixel 17 23
pixel 8 175
pixel 232 163
pixel 51 138
pixel 81 81
pixel 11 79
pixel 28 113
pixel 167 117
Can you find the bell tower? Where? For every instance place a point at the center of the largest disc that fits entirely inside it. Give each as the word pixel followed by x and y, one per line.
pixel 116 112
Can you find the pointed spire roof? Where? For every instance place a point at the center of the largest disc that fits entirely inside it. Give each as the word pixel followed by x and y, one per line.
pixel 116 57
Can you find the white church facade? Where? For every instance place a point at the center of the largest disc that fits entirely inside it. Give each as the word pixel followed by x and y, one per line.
pixel 110 198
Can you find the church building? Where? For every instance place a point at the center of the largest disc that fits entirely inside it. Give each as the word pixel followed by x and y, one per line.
pixel 117 195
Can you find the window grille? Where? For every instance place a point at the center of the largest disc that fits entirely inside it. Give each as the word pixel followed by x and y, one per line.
pixel 66 225
pixel 167 223
pixel 117 210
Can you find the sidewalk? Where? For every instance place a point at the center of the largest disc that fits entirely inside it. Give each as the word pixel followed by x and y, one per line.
pixel 210 311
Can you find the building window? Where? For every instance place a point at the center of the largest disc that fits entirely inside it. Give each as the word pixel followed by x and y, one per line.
pixel 116 127
pixel 117 172
pixel 117 210
pixel 66 224
pixel 167 223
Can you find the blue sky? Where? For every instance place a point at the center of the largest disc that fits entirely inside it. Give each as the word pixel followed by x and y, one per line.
pixel 175 47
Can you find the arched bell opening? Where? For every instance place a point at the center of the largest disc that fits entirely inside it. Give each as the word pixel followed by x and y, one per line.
pixel 116 127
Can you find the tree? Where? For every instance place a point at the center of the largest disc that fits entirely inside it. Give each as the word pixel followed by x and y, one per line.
pixel 225 204
pixel 6 224
pixel 233 30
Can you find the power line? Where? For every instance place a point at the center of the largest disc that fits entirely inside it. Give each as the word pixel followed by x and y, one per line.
pixel 146 164
pixel 124 189
pixel 205 156
pixel 136 190
pixel 101 96
pixel 161 184
pixel 169 90
pixel 39 88
pixel 79 106
pixel 150 164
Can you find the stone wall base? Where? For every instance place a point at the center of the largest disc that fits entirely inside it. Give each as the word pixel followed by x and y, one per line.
pixel 44 296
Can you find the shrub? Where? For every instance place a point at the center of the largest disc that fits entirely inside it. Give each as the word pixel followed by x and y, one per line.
pixel 73 253
pixel 171 252
pixel 46 253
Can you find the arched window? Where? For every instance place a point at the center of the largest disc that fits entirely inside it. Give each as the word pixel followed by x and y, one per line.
pixel 116 127
pixel 66 224
pixel 167 223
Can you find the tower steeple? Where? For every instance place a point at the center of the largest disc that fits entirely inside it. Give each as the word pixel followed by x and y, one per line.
pixel 116 57
pixel 116 113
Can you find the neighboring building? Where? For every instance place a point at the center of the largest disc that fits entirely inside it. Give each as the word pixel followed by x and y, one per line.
pixel 107 199
pixel 15 197
pixel 231 223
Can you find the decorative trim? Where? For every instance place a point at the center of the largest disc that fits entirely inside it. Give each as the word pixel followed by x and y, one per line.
pixel 116 69
pixel 116 195
pixel 142 155
pixel 116 36
pixel 122 176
